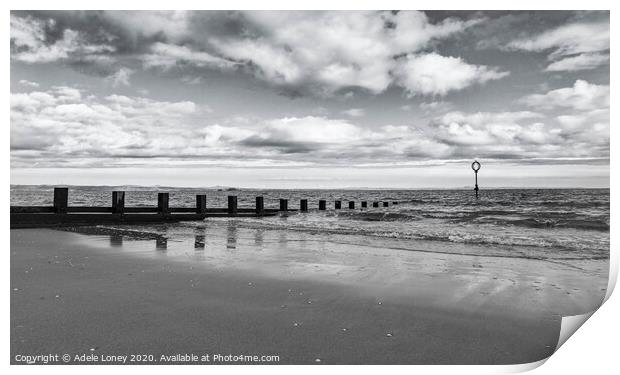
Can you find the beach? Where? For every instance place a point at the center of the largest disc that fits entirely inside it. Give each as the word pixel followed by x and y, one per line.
pixel 305 297
pixel 356 187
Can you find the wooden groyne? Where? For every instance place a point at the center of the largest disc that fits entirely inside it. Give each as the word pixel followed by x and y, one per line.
pixel 62 214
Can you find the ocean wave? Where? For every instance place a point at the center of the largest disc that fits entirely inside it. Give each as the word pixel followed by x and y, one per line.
pixel 495 217
pixel 579 246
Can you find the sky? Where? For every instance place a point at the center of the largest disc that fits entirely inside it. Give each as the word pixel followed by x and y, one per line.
pixel 313 99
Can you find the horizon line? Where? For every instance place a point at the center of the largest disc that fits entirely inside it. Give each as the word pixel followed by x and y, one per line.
pixel 216 187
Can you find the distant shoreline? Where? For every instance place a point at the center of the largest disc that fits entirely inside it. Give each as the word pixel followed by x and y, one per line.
pixel 233 188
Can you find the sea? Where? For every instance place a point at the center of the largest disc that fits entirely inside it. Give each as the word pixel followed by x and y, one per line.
pixel 565 226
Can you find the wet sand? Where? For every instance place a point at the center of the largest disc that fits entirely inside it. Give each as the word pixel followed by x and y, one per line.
pixel 300 296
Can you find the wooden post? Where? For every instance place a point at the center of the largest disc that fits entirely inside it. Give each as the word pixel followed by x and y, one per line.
pixel 364 204
pixel 283 204
pixel 260 205
pixel 162 203
pixel 118 202
pixel 232 204
pixel 322 205
pixel 303 205
pixel 351 205
pixel 201 203
pixel 337 205
pixel 385 204
pixel 61 200
pixel 375 204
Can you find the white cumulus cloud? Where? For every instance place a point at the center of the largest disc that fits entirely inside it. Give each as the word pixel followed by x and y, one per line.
pixel 581 96
pixel 433 74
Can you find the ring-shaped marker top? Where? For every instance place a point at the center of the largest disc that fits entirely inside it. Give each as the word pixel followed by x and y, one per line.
pixel 475 166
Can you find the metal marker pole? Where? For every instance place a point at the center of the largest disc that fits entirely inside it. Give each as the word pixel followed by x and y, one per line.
pixel 476 167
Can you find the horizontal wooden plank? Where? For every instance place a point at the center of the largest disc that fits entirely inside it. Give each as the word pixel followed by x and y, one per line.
pixel 182 209
pixel 87 209
pixel 31 209
pixel 140 209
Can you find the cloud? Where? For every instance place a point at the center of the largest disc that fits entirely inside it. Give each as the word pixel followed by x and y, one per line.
pixel 290 135
pixel 147 25
pixel 355 112
pixel 337 141
pixel 191 80
pixel 585 61
pixel 573 46
pixel 487 128
pixel 581 113
pixel 121 77
pixel 347 49
pixel 26 83
pixel 582 96
pixel 35 41
pixel 436 106
pixel 521 135
pixel 433 74
pixel 169 55
pixel 65 127
pixel 570 39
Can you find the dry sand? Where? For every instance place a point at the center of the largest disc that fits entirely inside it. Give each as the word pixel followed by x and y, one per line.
pixel 294 295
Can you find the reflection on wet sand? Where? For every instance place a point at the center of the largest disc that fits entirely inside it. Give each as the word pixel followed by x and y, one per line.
pixel 199 238
pixel 199 241
pixel 379 268
pixel 258 238
pixel 282 240
pixel 161 243
pixel 231 235
pixel 116 240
